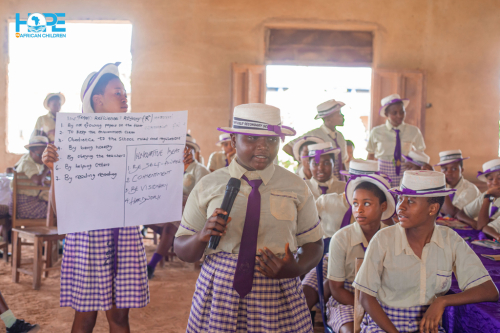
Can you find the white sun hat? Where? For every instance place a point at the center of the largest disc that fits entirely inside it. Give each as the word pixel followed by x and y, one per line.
pixel 423 183
pixel 223 138
pixel 319 149
pixel 391 99
pixel 301 141
pixel 327 108
pixel 37 141
pixel 49 96
pixel 90 83
pixel 488 167
pixel 382 183
pixel 417 157
pixel 191 142
pixel 450 156
pixel 258 119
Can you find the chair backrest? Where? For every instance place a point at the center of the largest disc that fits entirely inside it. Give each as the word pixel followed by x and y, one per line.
pixel 321 291
pixel 21 182
pixel 359 311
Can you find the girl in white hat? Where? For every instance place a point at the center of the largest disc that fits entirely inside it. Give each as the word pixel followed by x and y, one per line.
pixel 46 125
pixel 322 163
pixel 485 208
pixel 389 142
pixel 221 159
pixel 371 203
pixel 301 154
pixel 250 282
pixel 87 283
pixel 331 114
pixel 417 160
pixel 407 268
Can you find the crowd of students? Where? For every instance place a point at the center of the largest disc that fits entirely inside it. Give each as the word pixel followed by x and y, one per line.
pixel 262 277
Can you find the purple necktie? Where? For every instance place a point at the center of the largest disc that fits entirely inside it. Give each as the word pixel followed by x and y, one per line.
pixel 227 162
pixel 323 189
pixel 363 246
pixel 347 218
pixel 452 196
pixel 338 162
pixel 397 152
pixel 243 276
pixel 493 210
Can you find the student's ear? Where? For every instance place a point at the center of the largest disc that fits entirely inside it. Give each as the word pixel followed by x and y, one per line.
pixel 97 99
pixel 383 206
pixel 233 140
pixel 433 209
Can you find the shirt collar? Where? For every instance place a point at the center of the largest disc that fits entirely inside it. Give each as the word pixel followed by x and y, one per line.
pixel 459 185
pixel 401 242
pixel 390 127
pixel 237 171
pixel 51 115
pixel 357 235
pixel 326 129
pixel 328 183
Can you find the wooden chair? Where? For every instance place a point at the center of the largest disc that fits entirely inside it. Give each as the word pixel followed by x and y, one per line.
pixel 359 311
pixel 36 231
pixel 4 245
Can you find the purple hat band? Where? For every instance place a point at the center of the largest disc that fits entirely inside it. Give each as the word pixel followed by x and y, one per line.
pixel 495 168
pixel 240 123
pixel 411 160
pixel 366 174
pixel 407 191
pixel 37 143
pixel 392 101
pixel 319 152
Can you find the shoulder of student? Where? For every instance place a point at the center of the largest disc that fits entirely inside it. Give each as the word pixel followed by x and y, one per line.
pixel 292 180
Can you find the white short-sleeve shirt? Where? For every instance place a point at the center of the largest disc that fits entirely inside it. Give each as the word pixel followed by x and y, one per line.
pixel 382 140
pixel 474 207
pixel 218 160
pixel 287 212
pixel 331 210
pixel 30 168
pixel 45 126
pixel 334 186
pixel 465 194
pixel 393 274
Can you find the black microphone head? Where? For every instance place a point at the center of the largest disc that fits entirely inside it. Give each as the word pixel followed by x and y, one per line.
pixel 234 183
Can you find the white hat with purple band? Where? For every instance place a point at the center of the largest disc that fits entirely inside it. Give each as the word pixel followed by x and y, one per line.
pixel 90 83
pixel 37 141
pixel 258 119
pixel 382 183
pixel 327 108
pixel 223 138
pixel 417 157
pixel 391 99
pixel 301 141
pixel 450 156
pixel 191 142
pixel 319 149
pixel 49 96
pixel 423 183
pixel 359 167
pixel 488 167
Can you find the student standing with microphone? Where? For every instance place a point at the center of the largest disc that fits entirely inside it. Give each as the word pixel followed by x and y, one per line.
pixel 250 281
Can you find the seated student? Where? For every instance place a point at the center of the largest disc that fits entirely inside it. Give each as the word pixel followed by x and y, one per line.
pixel 46 125
pixel 193 167
pixel 250 281
pixel 221 159
pixel 485 208
pixel 301 155
pixel 335 213
pixel 371 203
pixel 321 163
pixel 32 204
pixel 407 269
pixel 417 160
pixel 331 114
pixel 452 165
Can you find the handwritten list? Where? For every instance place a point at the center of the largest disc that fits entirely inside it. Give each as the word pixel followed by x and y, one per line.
pixel 118 170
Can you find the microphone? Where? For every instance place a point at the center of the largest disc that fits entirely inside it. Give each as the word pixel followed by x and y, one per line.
pixel 232 189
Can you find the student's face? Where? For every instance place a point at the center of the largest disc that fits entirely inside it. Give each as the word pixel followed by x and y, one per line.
pixel 114 99
pixel 335 119
pixel 54 105
pixel 452 172
pixel 255 152
pixel 493 179
pixel 322 171
pixel 226 146
pixel 304 151
pixel 396 114
pixel 415 211
pixel 36 154
pixel 411 166
pixel 366 207
pixel 350 152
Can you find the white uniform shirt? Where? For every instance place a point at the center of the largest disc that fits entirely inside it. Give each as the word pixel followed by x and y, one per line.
pixel 382 141
pixel 218 160
pixel 331 210
pixel 44 125
pixel 473 208
pixel 334 186
pixel 287 211
pixel 30 168
pixel 465 194
pixel 393 274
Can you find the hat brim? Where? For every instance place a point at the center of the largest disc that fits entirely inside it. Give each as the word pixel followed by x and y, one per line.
pixel 193 145
pixel 452 161
pixel 329 113
pixel 219 143
pixel 301 141
pixel 49 96
pixel 87 93
pixel 35 145
pixel 391 202
pixel 285 130
pixel 381 112
pixel 412 161
pixel 429 194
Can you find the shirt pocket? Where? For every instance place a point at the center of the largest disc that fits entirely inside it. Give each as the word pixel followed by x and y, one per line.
pixel 405 147
pixel 283 205
pixel 443 282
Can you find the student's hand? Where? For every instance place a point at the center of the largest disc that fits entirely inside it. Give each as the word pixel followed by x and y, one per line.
pixel 495 191
pixel 276 268
pixel 188 158
pixel 50 156
pixel 214 226
pixel 430 321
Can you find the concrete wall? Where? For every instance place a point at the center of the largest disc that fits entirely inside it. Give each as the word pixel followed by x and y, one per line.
pixel 182 51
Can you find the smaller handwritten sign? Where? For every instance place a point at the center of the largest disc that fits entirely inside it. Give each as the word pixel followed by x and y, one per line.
pixel 117 170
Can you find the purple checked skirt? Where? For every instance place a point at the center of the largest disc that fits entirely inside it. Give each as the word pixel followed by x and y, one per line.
pixel 406 320
pixel 29 207
pixel 277 306
pixel 339 314
pixel 311 278
pixel 390 170
pixel 87 276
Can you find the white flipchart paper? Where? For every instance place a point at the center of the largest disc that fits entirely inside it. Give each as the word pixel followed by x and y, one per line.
pixel 118 169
